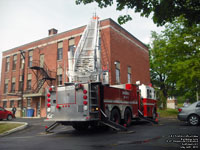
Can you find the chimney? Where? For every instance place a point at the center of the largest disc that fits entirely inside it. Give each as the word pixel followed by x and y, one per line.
pixel 52 31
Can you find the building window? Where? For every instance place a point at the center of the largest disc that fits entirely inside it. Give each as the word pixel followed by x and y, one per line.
pixel 29 81
pixel 59 79
pixel 13 85
pixel 60 51
pixel 117 71
pixel 19 103
pixel 129 74
pixel 20 83
pixel 4 104
pixel 6 86
pixel 71 46
pixel 7 64
pixel 59 76
pixel 11 103
pixel 14 62
pixel 28 102
pixel 30 58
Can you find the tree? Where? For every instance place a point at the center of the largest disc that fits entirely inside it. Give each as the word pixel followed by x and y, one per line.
pixel 163 10
pixel 160 69
pixel 175 59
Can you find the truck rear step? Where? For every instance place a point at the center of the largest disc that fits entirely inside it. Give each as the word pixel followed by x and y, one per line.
pixel 111 124
pixel 51 127
pixel 141 116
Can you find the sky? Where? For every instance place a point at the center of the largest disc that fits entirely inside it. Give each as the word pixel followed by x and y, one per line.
pixel 24 21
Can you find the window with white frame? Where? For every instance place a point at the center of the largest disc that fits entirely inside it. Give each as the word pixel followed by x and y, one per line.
pixel 13 84
pixel 19 103
pixel 71 46
pixel 28 102
pixel 29 81
pixel 117 72
pixel 4 104
pixel 7 64
pixel 11 103
pixel 14 62
pixel 129 75
pixel 59 76
pixel 30 58
pixel 6 86
pixel 60 51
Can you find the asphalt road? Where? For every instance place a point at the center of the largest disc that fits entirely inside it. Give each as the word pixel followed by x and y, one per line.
pixel 168 134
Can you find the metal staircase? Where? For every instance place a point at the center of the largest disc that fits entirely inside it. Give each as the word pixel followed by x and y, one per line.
pixel 43 75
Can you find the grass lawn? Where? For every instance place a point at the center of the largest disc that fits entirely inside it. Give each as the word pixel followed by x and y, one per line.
pixel 168 113
pixel 8 126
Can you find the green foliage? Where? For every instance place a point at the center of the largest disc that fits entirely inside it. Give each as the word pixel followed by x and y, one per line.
pixel 163 10
pixel 175 59
pixel 8 126
pixel 168 113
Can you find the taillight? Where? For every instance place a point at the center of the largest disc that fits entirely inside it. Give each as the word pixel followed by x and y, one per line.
pixel 179 110
pixel 48 95
pixel 85 97
pixel 57 106
pixel 50 89
pixel 85 102
pixel 80 86
pixel 48 99
pixel 84 91
pixel 48 105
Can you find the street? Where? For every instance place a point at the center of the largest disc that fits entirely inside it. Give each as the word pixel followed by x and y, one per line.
pixel 168 134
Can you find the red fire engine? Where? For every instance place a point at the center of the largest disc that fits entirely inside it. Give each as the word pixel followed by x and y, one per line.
pixel 88 99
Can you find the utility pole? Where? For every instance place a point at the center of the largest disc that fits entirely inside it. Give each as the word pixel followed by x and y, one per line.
pixel 23 72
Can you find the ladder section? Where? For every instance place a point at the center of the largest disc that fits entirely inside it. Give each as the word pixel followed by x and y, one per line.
pixel 85 64
pixel 94 107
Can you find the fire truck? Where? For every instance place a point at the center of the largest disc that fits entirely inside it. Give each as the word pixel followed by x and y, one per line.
pixel 88 99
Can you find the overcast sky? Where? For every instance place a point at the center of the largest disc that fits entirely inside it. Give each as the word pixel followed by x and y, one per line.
pixel 24 21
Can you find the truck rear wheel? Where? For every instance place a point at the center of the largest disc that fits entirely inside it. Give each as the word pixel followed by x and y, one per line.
pixel 115 116
pixel 127 117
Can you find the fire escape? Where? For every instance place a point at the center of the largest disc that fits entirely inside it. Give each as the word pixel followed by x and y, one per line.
pixel 43 74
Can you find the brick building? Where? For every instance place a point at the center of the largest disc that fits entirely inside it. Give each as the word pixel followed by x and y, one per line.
pixel 44 62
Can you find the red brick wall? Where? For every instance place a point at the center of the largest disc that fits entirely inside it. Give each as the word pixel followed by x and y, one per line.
pixel 128 54
pixel 114 47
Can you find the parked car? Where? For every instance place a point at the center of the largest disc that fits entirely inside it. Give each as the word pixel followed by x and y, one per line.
pixel 5 114
pixel 191 113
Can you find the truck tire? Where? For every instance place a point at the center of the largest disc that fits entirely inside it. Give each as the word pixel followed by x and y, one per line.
pixel 115 116
pixel 127 117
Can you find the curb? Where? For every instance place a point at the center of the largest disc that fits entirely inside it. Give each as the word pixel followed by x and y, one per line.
pixel 25 124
